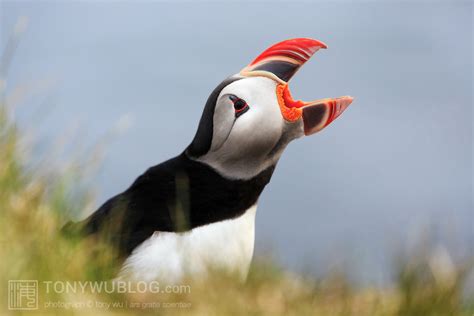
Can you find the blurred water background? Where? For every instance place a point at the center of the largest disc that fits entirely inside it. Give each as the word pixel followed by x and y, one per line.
pixel 395 170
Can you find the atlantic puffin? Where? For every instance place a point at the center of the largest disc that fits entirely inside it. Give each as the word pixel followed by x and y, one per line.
pixel 197 210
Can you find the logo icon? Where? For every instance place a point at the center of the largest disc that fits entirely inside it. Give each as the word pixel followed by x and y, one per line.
pixel 22 294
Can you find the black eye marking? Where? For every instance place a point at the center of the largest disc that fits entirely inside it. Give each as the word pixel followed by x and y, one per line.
pixel 240 106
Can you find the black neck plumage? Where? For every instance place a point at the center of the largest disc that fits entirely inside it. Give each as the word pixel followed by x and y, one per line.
pixel 193 193
pixel 175 196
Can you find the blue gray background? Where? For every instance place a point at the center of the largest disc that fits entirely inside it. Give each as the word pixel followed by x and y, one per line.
pixel 395 168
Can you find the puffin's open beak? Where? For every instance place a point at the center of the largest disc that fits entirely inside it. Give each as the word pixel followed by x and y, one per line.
pixel 280 62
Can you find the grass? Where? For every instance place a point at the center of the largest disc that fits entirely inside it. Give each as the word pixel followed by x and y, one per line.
pixel 33 207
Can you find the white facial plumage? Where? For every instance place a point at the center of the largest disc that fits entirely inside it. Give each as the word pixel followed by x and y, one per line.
pixel 244 146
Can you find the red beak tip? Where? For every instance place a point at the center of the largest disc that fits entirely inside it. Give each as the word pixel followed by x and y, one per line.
pixel 341 105
pixel 346 100
pixel 318 44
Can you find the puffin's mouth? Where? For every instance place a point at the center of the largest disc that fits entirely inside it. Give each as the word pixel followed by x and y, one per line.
pixel 280 62
pixel 316 114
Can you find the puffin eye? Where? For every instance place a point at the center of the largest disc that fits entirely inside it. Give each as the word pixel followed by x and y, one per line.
pixel 240 106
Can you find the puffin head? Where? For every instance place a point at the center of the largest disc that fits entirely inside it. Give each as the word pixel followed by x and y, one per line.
pixel 251 116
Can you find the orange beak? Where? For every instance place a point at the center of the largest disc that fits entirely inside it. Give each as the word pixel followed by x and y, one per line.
pixel 280 62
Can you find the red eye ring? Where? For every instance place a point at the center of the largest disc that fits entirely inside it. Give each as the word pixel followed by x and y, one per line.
pixel 240 106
